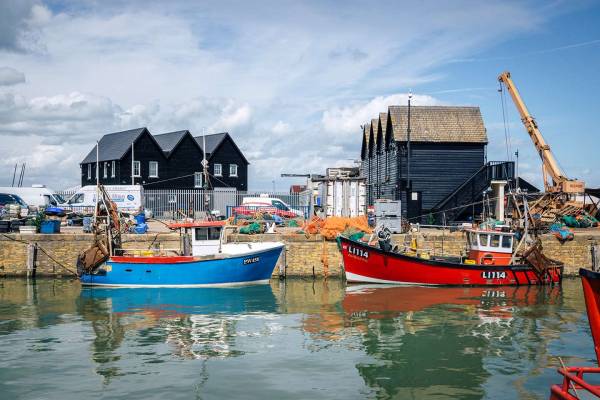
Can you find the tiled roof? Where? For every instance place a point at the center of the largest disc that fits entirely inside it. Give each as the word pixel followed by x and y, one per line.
pixel 113 146
pixel 383 123
pixel 438 124
pixel 374 122
pixel 168 141
pixel 365 141
pixel 212 141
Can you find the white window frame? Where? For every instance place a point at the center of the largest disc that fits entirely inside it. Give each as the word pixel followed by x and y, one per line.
pixel 105 175
pixel 220 172
pixel 137 164
pixel 113 169
pixel 150 174
pixel 231 168
pixel 89 171
pixel 198 179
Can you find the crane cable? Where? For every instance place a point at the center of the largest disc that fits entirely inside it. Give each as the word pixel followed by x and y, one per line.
pixel 507 140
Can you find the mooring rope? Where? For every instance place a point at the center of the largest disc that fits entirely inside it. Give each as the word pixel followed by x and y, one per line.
pixel 43 251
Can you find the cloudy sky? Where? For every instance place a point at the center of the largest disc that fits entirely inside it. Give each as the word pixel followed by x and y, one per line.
pixel 292 81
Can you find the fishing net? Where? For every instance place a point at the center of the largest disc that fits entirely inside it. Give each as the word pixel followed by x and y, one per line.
pixel 251 229
pixel 331 227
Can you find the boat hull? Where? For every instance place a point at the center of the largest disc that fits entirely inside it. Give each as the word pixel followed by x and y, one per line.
pixel 574 382
pixel 252 267
pixel 367 264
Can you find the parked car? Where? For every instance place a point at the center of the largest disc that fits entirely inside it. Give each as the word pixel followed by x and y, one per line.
pixel 252 208
pixel 36 195
pixel 8 198
pixel 283 208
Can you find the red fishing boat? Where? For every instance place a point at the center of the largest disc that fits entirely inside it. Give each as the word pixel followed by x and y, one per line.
pixel 489 262
pixel 574 384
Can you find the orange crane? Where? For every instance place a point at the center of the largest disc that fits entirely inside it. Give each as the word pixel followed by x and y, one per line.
pixel 550 168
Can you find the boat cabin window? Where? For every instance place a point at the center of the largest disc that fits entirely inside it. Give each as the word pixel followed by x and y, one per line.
pixel 208 233
pixel 472 238
pixel 495 241
pixel 484 240
pixel 507 242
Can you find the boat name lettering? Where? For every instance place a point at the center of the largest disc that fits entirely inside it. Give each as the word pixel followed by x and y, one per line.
pixel 494 293
pixel 251 260
pixel 358 252
pixel 493 274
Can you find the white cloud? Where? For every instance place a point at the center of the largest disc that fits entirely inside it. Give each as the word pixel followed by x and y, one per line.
pixel 340 120
pixel 293 89
pixel 10 76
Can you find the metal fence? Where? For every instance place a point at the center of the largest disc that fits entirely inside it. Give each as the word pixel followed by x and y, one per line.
pixel 175 204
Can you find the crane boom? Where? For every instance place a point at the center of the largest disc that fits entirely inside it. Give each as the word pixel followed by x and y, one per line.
pixel 560 182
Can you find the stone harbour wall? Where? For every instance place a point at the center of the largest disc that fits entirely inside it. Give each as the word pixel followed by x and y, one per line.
pixel 305 256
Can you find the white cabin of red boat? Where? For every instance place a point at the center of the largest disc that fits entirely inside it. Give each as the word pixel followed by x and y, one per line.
pixel 490 247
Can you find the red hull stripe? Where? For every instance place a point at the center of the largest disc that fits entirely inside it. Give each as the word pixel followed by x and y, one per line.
pixel 153 259
pixel 590 281
pixel 364 263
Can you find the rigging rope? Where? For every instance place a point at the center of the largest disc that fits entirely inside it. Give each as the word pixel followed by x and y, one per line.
pixel 506 127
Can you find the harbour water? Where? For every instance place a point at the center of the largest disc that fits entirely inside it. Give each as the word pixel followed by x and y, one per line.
pixel 294 339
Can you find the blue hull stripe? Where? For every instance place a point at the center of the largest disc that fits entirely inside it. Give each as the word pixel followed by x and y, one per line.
pixel 250 268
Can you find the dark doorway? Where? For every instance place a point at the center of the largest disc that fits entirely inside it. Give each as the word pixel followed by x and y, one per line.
pixel 414 206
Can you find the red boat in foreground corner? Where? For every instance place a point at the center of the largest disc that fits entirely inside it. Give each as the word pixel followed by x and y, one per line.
pixel 573 381
pixel 489 263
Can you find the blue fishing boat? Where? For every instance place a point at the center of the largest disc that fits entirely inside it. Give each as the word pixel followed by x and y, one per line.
pixel 204 260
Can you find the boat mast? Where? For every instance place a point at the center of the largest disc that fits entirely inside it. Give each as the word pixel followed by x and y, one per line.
pixel 205 175
pixel 97 186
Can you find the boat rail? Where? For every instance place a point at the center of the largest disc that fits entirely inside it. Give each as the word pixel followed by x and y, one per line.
pixel 572 382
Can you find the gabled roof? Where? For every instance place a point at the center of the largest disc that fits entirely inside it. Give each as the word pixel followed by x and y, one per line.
pixel 212 141
pixel 168 141
pixel 374 130
pixel 382 125
pixel 113 146
pixel 365 141
pixel 438 124
pixel 215 140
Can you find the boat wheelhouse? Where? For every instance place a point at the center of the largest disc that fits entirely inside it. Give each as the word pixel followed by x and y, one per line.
pixel 488 247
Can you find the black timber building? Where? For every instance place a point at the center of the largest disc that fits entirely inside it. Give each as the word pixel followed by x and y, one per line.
pixel 447 159
pixel 166 161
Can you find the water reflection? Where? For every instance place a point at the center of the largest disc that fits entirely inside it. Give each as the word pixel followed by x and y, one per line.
pixel 430 342
pixel 387 342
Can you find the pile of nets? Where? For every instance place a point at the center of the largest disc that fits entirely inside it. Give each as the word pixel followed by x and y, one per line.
pixel 581 220
pixel 330 227
pixel 252 228
pixel 561 232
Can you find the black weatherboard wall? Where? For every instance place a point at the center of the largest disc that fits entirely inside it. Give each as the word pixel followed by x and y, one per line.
pixel 225 153
pixel 447 146
pixel 178 154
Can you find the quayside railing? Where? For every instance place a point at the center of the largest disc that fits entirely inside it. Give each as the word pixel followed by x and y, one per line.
pixel 471 190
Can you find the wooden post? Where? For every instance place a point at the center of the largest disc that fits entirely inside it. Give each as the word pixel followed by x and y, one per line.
pixel 31 259
pixel 595 256
pixel 283 264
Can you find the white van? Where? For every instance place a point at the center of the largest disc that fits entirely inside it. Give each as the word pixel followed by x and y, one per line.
pixel 128 198
pixel 36 195
pixel 272 202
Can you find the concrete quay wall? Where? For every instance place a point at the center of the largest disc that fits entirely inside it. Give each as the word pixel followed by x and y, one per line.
pixel 305 256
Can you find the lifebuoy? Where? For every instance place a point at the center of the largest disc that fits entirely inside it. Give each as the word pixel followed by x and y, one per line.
pixel 487 259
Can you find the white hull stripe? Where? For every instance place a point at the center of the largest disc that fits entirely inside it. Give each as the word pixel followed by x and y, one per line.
pixel 199 285
pixel 350 277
